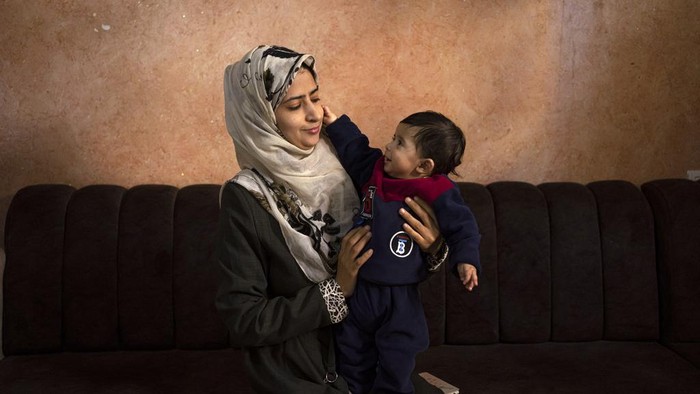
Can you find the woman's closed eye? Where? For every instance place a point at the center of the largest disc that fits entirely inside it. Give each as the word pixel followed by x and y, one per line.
pixel 297 106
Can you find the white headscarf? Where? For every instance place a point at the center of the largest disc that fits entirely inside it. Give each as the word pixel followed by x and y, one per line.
pixel 307 191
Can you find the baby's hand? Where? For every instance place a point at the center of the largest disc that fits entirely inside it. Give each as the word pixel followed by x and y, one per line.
pixel 328 116
pixel 468 276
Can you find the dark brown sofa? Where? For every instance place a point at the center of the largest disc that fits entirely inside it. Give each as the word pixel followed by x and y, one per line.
pixel 585 288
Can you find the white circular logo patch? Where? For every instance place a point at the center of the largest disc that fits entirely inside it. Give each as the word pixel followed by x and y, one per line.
pixel 401 244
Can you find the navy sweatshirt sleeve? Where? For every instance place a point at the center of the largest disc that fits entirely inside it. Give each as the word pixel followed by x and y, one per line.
pixel 459 228
pixel 353 149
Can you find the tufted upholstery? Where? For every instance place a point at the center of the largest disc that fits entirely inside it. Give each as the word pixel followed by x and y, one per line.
pixel 584 287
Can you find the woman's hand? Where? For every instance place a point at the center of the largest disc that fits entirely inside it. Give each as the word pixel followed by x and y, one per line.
pixel 349 262
pixel 425 232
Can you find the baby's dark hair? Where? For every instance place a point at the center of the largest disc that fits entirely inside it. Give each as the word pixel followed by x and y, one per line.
pixel 438 138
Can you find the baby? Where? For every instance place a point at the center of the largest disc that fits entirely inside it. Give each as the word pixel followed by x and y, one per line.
pixel 386 327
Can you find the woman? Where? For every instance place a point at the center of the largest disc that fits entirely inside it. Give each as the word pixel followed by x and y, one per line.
pixel 285 271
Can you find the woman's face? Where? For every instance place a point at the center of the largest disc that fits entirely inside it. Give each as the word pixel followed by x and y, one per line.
pixel 299 115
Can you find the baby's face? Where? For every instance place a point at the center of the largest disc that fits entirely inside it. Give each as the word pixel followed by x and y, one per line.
pixel 401 156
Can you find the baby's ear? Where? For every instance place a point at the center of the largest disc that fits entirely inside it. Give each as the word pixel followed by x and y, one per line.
pixel 426 166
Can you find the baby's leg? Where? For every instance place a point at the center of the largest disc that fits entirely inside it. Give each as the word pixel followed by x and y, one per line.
pixel 403 335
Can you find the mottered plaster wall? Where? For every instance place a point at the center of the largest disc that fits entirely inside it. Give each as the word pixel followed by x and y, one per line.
pixel 130 92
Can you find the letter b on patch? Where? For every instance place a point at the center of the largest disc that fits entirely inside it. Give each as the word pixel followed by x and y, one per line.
pixel 401 244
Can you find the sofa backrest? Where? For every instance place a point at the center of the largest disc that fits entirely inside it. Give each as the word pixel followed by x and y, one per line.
pixel 561 262
pixel 105 268
pixel 676 207
pixel 108 268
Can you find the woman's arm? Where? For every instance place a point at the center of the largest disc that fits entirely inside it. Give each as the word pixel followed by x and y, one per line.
pixel 254 315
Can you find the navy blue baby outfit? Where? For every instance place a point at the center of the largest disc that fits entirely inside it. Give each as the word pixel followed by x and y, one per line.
pixel 386 327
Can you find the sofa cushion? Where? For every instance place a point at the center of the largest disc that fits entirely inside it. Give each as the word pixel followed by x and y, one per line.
pixel 675 205
pixel 195 274
pixel 629 261
pixel 89 283
pixel 570 367
pixel 576 262
pixel 169 371
pixel 524 279
pixel 34 232
pixel 688 350
pixel 473 316
pixel 145 269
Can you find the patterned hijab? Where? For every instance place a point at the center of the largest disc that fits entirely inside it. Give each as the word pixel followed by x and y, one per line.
pixel 307 191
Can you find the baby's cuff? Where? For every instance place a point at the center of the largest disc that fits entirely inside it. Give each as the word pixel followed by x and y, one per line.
pixel 335 300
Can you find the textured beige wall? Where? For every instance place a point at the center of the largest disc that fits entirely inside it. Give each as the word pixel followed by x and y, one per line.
pixel 129 92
